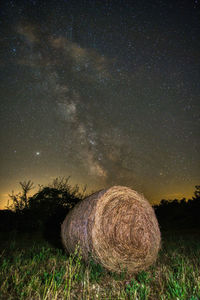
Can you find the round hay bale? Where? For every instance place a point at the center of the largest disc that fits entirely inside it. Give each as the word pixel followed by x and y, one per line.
pixel 117 227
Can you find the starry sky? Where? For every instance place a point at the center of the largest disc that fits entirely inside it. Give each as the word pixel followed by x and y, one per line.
pixel 106 92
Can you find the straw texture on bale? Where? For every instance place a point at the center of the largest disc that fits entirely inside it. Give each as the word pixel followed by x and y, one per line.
pixel 117 227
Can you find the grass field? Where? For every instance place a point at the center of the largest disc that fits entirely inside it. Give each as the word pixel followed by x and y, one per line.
pixel 31 268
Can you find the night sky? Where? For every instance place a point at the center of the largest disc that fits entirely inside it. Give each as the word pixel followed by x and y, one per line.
pixel 106 92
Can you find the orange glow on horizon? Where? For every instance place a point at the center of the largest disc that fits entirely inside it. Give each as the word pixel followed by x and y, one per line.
pixel 154 197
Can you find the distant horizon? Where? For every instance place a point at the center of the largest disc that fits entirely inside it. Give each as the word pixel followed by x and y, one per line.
pixel 152 200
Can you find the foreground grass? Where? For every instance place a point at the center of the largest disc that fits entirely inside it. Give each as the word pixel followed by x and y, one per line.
pixel 30 268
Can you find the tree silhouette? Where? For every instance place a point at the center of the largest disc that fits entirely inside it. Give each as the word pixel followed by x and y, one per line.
pixel 58 195
pixel 179 213
pixel 47 208
pixel 197 192
pixel 20 201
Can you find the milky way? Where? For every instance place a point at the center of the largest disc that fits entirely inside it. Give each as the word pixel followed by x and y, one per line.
pixel 107 92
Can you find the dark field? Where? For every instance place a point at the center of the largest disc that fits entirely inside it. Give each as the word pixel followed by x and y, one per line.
pixel 33 264
pixel 31 268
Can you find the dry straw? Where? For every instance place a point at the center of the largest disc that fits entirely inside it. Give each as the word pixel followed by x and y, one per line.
pixel 117 227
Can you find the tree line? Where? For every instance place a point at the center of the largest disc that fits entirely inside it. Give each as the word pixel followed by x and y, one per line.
pixel 45 210
pixel 179 214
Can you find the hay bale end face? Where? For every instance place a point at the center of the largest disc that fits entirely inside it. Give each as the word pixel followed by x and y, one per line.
pixel 117 227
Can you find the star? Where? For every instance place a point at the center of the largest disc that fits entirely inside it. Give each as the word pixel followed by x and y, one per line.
pixel 112 102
